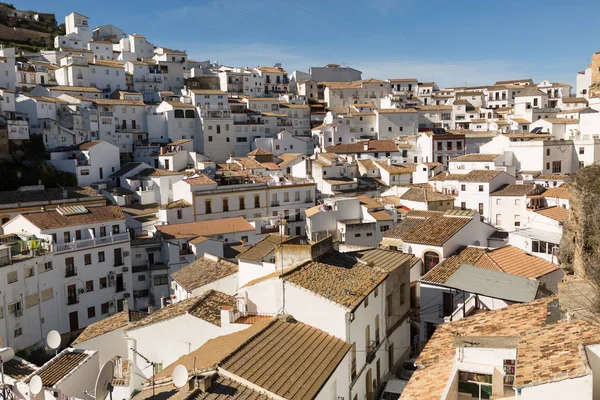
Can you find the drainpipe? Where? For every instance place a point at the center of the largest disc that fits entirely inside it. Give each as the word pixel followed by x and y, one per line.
pixel 132 356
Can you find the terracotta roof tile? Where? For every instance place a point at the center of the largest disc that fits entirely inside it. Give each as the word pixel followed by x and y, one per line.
pixel 110 324
pixel 205 228
pixel 556 213
pixel 175 205
pixel 199 180
pixel 337 278
pixel 87 89
pixel 433 229
pixel 53 219
pixel 373 146
pixel 206 307
pixel 288 158
pixel 262 248
pixel 203 271
pixel 561 192
pixel 60 366
pixel 517 190
pixel 476 157
pixel 425 195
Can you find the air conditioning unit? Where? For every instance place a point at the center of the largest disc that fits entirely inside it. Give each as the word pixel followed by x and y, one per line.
pixel 19 313
pixel 81 291
pixel 111 303
pixel 112 276
pixel 125 254
pixel 125 269
pixel 127 295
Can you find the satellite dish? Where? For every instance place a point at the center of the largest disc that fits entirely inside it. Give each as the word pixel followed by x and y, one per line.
pixel 53 339
pixel 180 376
pixel 104 385
pixel 35 384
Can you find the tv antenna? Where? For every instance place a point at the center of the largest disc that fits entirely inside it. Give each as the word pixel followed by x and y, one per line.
pixel 53 340
pixel 149 362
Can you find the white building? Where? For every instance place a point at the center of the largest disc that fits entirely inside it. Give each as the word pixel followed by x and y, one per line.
pixel 91 162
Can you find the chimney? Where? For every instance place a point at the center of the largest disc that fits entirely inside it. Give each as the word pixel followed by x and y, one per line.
pixel 204 383
pixel 150 309
pixel 282 224
pixel 389 161
pixel 366 145
pixel 227 318
pixel 125 306
pixel 162 301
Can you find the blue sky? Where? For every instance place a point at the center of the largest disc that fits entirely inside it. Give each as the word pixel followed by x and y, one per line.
pixel 451 42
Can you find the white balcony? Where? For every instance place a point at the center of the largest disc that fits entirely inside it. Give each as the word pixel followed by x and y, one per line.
pixel 87 243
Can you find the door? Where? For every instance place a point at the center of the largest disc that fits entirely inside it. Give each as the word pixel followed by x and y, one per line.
pixel 118 257
pixel 369 384
pixel 42 80
pixel 73 321
pixel 124 126
pixel 133 124
pixel 120 284
pixel 71 294
pixel 151 258
pixel 447 304
pixel 101 173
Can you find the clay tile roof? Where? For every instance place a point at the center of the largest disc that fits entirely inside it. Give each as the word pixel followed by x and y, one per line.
pixel 172 205
pixel 337 278
pixel 521 121
pixel 192 230
pixel 288 158
pixel 88 145
pixel 368 202
pixel 425 195
pixel 480 176
pixel 373 146
pixel 110 324
pixel 288 358
pixel 396 110
pixel 476 157
pixel 574 100
pixel 507 259
pixel 87 89
pixel 546 352
pixel 517 190
pixel 312 211
pixel 199 180
pixel 396 168
pixel 202 272
pixel 260 152
pixel 62 365
pixel 158 172
pixel 367 164
pixel 381 215
pixel 561 192
pixel 179 104
pixel 48 194
pixel 52 219
pixel 249 163
pixel 262 248
pixel 556 213
pixel 568 121
pixel 208 91
pixel 118 102
pixel 436 231
pixel 206 307
pixel 530 91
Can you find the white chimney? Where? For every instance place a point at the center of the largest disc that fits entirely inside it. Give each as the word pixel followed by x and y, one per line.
pixel 366 145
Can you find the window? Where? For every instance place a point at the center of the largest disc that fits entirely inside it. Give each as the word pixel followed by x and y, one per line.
pixel 12 277
pixel 547 152
pixel 517 202
pixel 102 231
pixel 18 332
pixel 481 188
pixel 517 220
pixel 87 259
pixel 179 214
pixel 463 205
pixel 242 202
pixel 29 272
pixel 402 293
pixel 115 229
pixel 78 234
pixel 556 167
pixel 449 145
pixel 14 307
pixel 256 201
pixel 581 150
pixel 102 283
pixel 498 202
pixel 458 145
pixel 225 201
pixel 439 146
pixel 463 187
pixel 91 312
pixel 101 257
pixel 498 219
pixel 89 286
pixel 430 260
pixel 161 280
pixel 104 308
pixel 210 138
pixel 480 208
pixel 207 207
pixel 356 235
pixel 48 266
pixel 67 237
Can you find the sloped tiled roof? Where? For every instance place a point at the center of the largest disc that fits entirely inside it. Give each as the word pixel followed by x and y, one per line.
pixel 433 229
pixel 547 351
pixel 288 158
pixel 207 307
pixel 561 192
pixel 337 278
pixel 62 365
pixel 262 248
pixel 52 219
pixel 508 259
pixel 110 324
pixel 203 271
pixel 425 195
pixel 18 368
pixel 373 146
pixel 205 228
pixel 556 213
pixel 516 190
pixel 476 157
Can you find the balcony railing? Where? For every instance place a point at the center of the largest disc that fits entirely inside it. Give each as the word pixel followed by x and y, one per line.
pixel 105 114
pixel 274 203
pixel 71 271
pixel 120 288
pixel 84 244
pixel 371 351
pixel 72 299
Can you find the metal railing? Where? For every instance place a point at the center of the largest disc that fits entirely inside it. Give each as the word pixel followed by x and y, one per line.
pixel 371 351
pixel 71 271
pixel 86 243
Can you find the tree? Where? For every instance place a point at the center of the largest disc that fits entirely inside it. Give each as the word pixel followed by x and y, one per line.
pixel 579 250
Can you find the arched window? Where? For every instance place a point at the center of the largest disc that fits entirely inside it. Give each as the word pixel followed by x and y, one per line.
pixel 430 260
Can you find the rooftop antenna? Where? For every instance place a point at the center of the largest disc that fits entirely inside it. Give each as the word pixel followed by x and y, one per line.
pixel 149 362
pixel 35 383
pixel 53 340
pixel 180 376
pixel 282 224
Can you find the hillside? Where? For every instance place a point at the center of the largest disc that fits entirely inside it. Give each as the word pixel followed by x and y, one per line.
pixel 27 29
